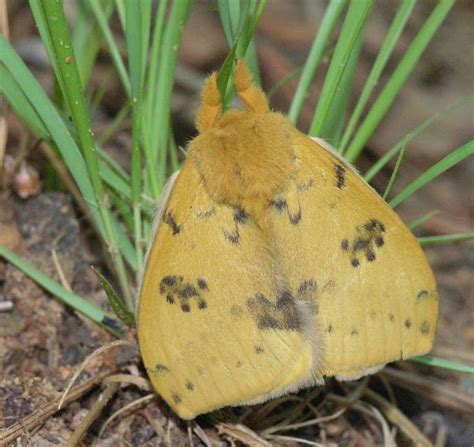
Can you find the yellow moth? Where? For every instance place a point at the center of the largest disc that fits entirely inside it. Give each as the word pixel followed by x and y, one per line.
pixel 274 265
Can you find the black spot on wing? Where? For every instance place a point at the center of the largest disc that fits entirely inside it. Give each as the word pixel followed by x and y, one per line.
pixel 425 327
pixel 240 216
pixel 189 385
pixel 340 172
pixel 295 218
pixel 176 398
pixel 408 323
pixel 259 350
pixel 423 293
pixel 306 185
pixel 161 368
pixel 368 239
pixel 280 314
pixel 280 204
pixel 232 236
pixel 170 219
pixel 178 290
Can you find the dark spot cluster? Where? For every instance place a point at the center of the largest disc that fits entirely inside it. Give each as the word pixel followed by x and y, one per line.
pixel 176 289
pixel 306 185
pixel 161 368
pixel 200 214
pixel 176 398
pixel 340 172
pixel 170 219
pixel 307 291
pixel 425 327
pixel 423 293
pixel 259 350
pixel 189 385
pixel 240 218
pixel 281 205
pixel 369 237
pixel 281 314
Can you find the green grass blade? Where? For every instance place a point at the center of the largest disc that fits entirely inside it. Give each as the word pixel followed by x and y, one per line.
pixel 352 29
pixel 444 363
pixel 71 299
pixel 395 172
pixel 446 239
pixel 397 80
pixel 102 20
pixel 383 55
pixel 422 219
pixel 116 303
pixel 282 82
pixel 19 101
pixel 158 133
pixel 377 166
pixel 437 169
pixel 59 133
pixel 73 94
pixel 315 56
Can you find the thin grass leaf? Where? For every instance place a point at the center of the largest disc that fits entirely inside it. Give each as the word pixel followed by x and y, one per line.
pixel 422 219
pixel 315 56
pixel 383 55
pixel 437 169
pixel 19 101
pixel 377 166
pixel 394 172
pixel 334 123
pixel 352 30
pixel 446 239
pixel 397 80
pixel 284 81
pixel 102 20
pixel 71 299
pixel 115 301
pixel 439 362
pixel 59 133
pixel 87 38
pixel 158 133
pixel 135 48
pixel 73 94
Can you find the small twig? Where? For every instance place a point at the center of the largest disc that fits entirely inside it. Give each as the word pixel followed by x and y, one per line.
pixel 44 412
pixel 136 403
pixel 59 269
pixel 82 366
pixel 395 416
pixel 440 392
pixel 138 381
pixel 93 414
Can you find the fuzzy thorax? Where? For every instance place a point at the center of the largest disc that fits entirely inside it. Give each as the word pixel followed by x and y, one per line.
pixel 246 158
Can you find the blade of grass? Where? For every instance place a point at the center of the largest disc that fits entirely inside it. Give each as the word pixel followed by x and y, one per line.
pixel 315 56
pixel 377 166
pixel 135 47
pixel 102 20
pixel 444 363
pixel 11 89
pixel 87 38
pixel 397 80
pixel 395 172
pixel 383 55
pixel 422 219
pixel 158 133
pixel 437 169
pixel 334 123
pixel 352 29
pixel 446 239
pixel 71 299
pixel 58 132
pixel 244 20
pixel 282 82
pixel 73 93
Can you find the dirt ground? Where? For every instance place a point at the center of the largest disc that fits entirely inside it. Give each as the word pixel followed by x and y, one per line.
pixel 42 342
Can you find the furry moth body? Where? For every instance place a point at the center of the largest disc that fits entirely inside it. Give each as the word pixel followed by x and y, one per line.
pixel 274 265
